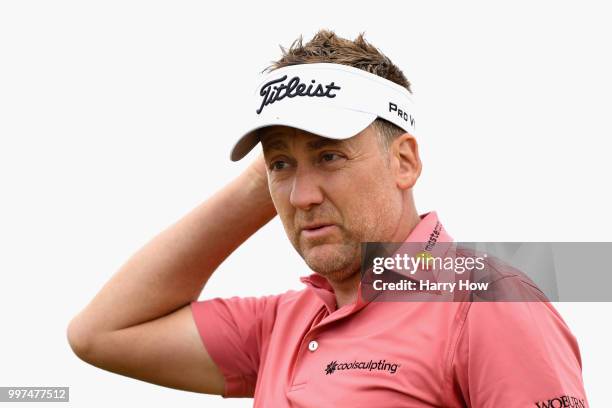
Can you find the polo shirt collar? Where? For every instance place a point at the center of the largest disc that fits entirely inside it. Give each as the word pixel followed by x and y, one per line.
pixel 429 228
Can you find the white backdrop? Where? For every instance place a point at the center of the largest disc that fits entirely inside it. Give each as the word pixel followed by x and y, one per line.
pixel 117 117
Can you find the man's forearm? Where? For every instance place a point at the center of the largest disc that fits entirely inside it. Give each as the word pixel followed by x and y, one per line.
pixel 171 269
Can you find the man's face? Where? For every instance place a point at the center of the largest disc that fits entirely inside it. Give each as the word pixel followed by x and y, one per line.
pixel 331 195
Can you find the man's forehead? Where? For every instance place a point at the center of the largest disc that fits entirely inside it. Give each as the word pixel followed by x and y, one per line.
pixel 270 132
pixel 278 136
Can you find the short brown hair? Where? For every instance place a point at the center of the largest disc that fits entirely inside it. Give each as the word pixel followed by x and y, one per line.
pixel 326 46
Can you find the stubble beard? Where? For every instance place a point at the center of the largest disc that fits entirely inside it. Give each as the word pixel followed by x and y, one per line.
pixel 336 260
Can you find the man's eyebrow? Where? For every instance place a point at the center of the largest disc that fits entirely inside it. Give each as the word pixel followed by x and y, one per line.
pixel 322 142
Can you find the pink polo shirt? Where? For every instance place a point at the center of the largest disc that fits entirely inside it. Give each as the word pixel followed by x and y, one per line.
pixel 296 350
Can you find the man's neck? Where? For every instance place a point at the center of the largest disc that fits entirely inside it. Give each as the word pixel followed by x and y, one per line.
pixel 346 290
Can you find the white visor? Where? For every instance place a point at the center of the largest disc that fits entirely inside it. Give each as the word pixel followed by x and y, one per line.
pixel 330 100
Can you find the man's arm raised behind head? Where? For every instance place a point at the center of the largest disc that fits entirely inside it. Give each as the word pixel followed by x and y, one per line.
pixel 139 324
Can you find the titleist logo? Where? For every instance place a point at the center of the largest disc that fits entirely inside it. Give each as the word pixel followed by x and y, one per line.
pixel 276 90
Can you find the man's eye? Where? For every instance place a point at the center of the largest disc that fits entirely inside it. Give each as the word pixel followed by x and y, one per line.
pixel 278 165
pixel 328 157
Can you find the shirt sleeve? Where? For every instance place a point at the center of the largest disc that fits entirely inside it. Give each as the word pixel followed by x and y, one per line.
pixel 233 330
pixel 517 354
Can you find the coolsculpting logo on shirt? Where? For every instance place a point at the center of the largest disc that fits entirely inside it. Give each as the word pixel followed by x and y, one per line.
pixel 563 401
pixel 275 90
pixel 380 365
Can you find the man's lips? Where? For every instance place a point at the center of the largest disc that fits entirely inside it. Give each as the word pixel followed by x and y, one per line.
pixel 317 229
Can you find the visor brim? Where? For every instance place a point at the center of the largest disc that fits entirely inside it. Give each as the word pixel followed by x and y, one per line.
pixel 330 122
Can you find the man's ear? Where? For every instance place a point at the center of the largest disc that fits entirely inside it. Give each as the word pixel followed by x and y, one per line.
pixel 405 151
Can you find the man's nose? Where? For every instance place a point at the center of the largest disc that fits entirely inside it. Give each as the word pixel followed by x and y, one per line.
pixel 306 190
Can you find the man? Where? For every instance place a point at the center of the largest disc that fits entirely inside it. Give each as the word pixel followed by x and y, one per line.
pixel 335 119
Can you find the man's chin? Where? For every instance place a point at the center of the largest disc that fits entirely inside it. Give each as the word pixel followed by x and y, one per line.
pixel 327 259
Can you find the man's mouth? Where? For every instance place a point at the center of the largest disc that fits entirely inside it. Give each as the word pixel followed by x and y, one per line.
pixel 317 230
